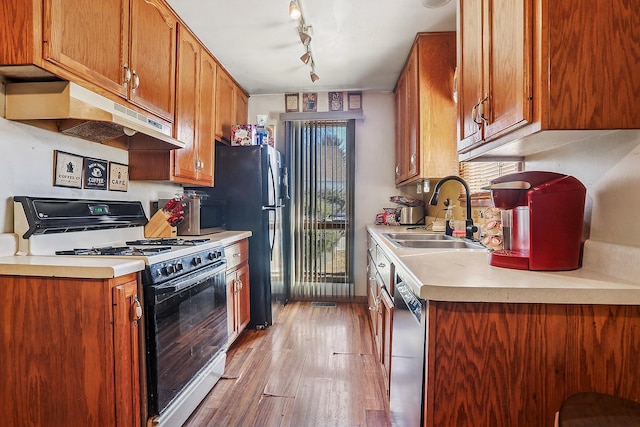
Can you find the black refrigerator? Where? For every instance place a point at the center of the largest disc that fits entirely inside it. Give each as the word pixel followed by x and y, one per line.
pixel 253 181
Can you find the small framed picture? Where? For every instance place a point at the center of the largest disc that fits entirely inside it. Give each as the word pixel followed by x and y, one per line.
pixel 291 102
pixel 310 102
pixel 67 169
pixel 354 101
pixel 335 101
pixel 95 174
pixel 118 177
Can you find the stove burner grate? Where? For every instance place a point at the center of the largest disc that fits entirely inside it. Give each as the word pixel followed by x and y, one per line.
pixel 116 250
pixel 168 241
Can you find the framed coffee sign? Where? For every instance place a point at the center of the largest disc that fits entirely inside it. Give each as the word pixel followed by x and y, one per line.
pixel 118 176
pixel 67 169
pixel 95 174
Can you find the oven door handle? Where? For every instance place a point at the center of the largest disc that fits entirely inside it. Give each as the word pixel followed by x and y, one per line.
pixel 180 284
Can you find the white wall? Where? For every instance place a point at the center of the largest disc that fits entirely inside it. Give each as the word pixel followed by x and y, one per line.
pixel 27 168
pixel 374 161
pixel 609 166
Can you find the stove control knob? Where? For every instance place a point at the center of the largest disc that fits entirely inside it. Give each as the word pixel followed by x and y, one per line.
pixel 179 266
pixel 213 255
pixel 197 260
pixel 169 269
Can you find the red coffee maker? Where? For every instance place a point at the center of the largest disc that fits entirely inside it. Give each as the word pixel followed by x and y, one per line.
pixel 542 220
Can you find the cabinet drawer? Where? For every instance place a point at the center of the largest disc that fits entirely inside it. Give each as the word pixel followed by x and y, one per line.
pixel 383 264
pixel 237 253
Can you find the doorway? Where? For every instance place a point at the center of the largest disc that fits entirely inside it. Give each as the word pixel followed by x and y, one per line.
pixel 321 161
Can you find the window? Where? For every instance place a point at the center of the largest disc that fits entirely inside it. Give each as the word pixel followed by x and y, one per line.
pixel 479 174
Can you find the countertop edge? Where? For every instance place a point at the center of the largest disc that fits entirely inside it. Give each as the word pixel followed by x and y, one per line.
pixel 443 275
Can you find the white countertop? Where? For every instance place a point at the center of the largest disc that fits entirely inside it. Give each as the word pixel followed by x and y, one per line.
pixel 465 276
pixel 82 267
pixel 68 266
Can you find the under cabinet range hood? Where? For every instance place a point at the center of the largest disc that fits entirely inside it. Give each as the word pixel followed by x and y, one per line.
pixel 74 110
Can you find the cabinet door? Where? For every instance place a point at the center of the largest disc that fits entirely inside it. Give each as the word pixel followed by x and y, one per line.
pixel 231 306
pixel 399 101
pixel 186 106
pixel 206 119
pixel 88 38
pixel 152 57
pixel 470 66
pixel 243 298
pixel 225 107
pixel 242 107
pixel 126 315
pixel 412 122
pixel 508 72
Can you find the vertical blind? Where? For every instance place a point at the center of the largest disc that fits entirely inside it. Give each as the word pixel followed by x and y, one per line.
pixel 322 170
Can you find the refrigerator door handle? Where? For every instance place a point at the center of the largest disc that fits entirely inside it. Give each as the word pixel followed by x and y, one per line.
pixel 273 236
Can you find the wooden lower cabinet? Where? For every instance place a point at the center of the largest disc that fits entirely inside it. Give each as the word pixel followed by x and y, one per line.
pixel 380 305
pixel 238 293
pixel 69 353
pixel 492 364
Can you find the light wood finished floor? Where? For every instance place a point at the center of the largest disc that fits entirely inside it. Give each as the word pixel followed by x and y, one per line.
pixel 316 366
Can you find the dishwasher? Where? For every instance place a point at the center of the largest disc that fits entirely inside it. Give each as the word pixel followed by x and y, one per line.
pixel 407 356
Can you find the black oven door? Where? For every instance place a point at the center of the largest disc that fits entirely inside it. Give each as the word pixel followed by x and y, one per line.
pixel 186 326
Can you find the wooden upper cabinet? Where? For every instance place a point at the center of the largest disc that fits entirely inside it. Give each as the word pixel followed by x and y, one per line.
pixel 186 105
pixel 225 106
pixel 494 57
pixel 152 60
pixel 426 112
pixel 207 119
pixel 194 123
pixel 531 66
pixel 241 116
pixel 125 47
pixel 88 38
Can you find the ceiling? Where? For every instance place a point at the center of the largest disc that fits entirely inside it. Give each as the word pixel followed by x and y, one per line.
pixel 356 44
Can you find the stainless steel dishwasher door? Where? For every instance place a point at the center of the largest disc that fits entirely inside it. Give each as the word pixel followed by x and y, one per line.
pixel 407 357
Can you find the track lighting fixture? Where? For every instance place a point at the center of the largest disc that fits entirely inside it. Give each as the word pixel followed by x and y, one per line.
pixel 306 56
pixel 294 10
pixel 305 38
pixel 304 32
pixel 312 74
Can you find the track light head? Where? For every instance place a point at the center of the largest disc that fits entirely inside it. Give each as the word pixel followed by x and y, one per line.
pixel 314 76
pixel 304 37
pixel 306 57
pixel 294 10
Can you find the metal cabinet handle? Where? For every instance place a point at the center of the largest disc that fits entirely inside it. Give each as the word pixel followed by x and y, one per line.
pixel 397 170
pixel 137 309
pixel 127 75
pixel 382 265
pixel 236 255
pixel 135 80
pixel 477 112
pixel 413 159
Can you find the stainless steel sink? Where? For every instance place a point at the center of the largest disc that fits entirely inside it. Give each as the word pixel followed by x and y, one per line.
pixel 430 241
pixel 438 244
pixel 417 236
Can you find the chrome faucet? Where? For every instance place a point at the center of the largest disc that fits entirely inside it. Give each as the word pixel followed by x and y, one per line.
pixel 469 227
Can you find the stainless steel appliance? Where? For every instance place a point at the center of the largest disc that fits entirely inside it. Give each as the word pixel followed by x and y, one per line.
pixel 407 356
pixel 183 292
pixel 253 181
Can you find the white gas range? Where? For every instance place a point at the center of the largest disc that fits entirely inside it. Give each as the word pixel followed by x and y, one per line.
pixel 183 291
